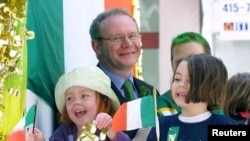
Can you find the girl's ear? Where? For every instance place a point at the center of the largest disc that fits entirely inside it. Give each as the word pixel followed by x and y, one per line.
pixel 96 47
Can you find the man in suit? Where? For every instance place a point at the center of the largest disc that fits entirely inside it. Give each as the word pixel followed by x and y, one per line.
pixel 117 43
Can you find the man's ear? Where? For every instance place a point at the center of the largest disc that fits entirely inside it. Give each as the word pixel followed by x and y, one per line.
pixel 96 47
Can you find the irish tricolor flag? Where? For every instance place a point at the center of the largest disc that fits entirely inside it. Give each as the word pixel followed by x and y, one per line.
pixel 62 42
pixel 139 113
pixel 26 123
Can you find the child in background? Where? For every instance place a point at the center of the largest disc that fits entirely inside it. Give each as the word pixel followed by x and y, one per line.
pixel 83 96
pixel 198 86
pixel 182 45
pixel 237 104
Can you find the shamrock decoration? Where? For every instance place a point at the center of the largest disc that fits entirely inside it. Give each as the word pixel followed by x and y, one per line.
pixel 144 91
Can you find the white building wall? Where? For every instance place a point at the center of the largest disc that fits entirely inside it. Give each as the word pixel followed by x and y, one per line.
pixel 175 16
pixel 234 53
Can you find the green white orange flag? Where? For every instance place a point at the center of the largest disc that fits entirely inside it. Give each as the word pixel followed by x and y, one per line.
pixel 139 113
pixel 27 122
pixel 62 42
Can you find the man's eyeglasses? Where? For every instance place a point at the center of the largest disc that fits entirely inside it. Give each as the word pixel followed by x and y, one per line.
pixel 119 39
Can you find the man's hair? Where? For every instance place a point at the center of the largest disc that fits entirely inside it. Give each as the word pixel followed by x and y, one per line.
pixel 94 30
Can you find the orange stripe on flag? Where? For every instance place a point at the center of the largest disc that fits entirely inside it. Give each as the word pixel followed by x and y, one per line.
pixel 120 119
pixel 127 4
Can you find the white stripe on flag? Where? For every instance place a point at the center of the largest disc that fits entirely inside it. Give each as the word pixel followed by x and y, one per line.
pixel 134 115
pixel 78 16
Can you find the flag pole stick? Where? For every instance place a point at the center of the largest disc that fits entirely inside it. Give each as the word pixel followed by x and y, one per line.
pixel 156 117
pixel 34 118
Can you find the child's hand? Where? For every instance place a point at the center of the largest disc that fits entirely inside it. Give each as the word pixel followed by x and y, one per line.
pixel 36 136
pixel 103 120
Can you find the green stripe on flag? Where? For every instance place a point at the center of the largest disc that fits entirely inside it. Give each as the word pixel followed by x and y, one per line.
pixel 46 50
pixel 147 111
pixel 30 116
